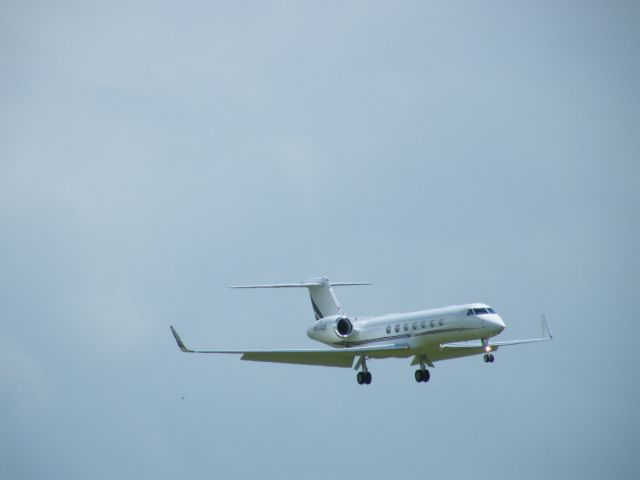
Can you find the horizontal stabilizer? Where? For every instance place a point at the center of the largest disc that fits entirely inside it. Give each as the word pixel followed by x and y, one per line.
pixel 301 285
pixel 323 300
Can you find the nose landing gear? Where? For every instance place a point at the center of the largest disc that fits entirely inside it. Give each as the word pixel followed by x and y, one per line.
pixel 488 357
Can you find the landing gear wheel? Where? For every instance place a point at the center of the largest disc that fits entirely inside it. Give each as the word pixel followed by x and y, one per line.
pixel 360 378
pixel 422 375
pixel 367 377
pixel 491 358
pixel 486 358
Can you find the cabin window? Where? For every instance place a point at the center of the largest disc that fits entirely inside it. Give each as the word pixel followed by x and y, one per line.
pixel 433 323
pixel 406 327
pixel 397 328
pixel 441 322
pixel 415 326
pixel 388 328
pixel 424 324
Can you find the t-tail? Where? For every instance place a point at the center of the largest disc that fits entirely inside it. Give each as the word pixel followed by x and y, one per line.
pixel 323 300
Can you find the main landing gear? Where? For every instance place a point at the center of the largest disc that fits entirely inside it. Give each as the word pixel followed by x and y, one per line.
pixel 488 358
pixel 364 376
pixel 422 374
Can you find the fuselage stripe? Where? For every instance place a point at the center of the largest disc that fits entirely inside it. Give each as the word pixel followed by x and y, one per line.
pixel 346 343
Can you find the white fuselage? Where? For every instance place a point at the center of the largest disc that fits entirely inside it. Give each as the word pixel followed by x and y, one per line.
pixel 421 329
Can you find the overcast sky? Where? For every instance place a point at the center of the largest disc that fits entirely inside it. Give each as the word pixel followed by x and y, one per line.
pixel 153 153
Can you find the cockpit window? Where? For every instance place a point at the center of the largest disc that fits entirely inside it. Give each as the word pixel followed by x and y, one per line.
pixel 481 311
pixel 469 312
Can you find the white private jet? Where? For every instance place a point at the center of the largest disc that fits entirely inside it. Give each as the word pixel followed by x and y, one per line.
pixel 428 336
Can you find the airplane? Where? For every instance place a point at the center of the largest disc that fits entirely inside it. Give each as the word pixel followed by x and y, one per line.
pixel 429 336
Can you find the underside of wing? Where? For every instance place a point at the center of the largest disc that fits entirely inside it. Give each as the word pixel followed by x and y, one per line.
pixel 327 358
pixel 449 351
pixel 343 357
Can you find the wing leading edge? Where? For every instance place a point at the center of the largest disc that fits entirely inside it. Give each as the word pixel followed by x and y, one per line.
pixel 323 357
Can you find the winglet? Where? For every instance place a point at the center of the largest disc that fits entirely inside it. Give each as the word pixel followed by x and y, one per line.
pixel 545 327
pixel 179 341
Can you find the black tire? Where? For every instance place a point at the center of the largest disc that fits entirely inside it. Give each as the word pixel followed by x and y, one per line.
pixel 426 375
pixel 367 377
pixel 419 376
pixel 486 358
pixel 360 378
pixel 491 358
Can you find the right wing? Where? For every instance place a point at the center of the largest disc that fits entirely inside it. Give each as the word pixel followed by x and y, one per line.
pixel 343 357
pixel 447 351
pixel 546 331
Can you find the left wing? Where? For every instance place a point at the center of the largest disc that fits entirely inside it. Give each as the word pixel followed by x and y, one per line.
pixel 343 357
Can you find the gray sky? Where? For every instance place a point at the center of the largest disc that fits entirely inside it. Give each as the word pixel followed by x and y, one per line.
pixel 152 153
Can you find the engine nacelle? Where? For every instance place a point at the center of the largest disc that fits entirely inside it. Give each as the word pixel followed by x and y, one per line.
pixel 332 330
pixel 343 327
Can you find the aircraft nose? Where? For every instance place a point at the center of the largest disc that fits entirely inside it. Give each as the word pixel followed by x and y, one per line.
pixel 496 322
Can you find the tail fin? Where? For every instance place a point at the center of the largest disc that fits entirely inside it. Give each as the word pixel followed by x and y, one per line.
pixel 323 300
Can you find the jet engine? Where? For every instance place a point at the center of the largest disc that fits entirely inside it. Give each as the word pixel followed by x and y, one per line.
pixel 343 327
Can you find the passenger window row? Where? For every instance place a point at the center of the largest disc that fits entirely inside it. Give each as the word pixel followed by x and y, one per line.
pixel 414 326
